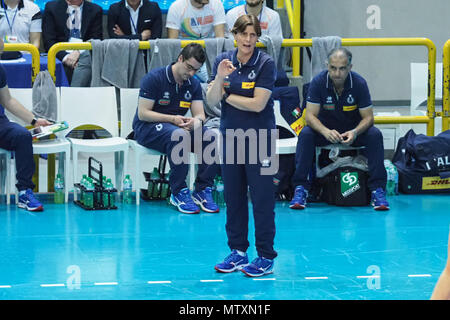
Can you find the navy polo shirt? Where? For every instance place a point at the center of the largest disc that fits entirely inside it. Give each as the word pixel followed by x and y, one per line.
pixel 339 112
pixel 258 72
pixel 160 86
pixel 2 85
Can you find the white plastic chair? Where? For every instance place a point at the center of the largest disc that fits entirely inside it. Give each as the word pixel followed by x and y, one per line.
pixel 128 105
pixel 6 169
pixel 286 145
pixel 59 145
pixel 94 106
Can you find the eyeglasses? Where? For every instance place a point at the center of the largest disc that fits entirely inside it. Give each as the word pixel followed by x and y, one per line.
pixel 190 67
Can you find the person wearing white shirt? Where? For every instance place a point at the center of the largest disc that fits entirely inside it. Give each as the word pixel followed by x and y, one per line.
pixel 196 19
pixel 20 22
pixel 269 19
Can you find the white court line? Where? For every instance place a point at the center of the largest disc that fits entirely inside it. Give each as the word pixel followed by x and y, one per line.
pixel 419 275
pixel 216 280
pixel 105 284
pixel 316 278
pixel 52 285
pixel 5 286
pixel 367 277
pixel 158 282
pixel 264 279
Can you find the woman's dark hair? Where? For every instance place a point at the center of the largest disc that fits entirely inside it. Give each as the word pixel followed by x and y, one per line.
pixel 244 21
pixel 193 50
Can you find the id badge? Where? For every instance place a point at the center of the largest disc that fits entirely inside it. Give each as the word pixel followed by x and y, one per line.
pixel 11 39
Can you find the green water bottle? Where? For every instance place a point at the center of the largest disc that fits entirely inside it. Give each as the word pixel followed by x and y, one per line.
pixel 82 188
pixel 156 183
pixel 220 192
pixel 127 190
pixel 59 189
pixel 89 195
pixel 108 194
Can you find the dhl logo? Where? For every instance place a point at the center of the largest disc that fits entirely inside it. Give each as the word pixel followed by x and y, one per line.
pixel 435 183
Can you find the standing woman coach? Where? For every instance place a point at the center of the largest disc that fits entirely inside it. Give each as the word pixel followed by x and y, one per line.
pixel 243 81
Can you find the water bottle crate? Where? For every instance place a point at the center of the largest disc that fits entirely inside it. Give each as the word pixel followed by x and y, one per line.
pixel 98 198
pixel 159 189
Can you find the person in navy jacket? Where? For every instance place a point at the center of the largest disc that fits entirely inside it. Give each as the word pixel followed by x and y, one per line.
pixel 135 19
pixel 165 97
pixel 243 80
pixel 339 111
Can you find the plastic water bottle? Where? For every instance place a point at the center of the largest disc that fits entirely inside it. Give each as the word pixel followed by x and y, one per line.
pixel 89 195
pixel 108 194
pixel 127 190
pixel 219 189
pixel 165 189
pixel 392 178
pixel 82 188
pixel 156 183
pixel 59 189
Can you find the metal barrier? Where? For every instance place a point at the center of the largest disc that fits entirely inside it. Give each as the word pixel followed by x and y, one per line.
pixel 35 57
pixel 446 86
pixel 428 119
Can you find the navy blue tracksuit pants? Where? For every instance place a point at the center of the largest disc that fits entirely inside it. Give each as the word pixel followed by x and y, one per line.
pixel 238 179
pixel 14 137
pixel 157 136
pixel 308 139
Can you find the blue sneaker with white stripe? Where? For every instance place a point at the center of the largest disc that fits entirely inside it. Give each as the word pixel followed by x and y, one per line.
pixel 183 201
pixel 234 261
pixel 259 267
pixel 28 201
pixel 205 201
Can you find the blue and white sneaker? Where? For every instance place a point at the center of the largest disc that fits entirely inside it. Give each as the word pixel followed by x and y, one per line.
pixel 259 267
pixel 29 202
pixel 378 200
pixel 299 199
pixel 183 202
pixel 234 261
pixel 204 200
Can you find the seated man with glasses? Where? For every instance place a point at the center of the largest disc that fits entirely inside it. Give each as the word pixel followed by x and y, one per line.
pixel 160 123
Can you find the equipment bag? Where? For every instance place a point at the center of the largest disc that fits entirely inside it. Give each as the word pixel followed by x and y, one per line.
pixel 423 163
pixel 345 186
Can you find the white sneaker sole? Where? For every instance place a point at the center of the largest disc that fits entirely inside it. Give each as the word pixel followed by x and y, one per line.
pixel 200 204
pixel 172 202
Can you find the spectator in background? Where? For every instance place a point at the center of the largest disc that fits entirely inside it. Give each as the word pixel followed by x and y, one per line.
pixel 269 19
pixel 196 19
pixel 135 19
pixel 20 22
pixel 72 21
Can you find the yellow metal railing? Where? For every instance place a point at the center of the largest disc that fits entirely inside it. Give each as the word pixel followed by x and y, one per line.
pixel 35 58
pixel 446 86
pixel 428 119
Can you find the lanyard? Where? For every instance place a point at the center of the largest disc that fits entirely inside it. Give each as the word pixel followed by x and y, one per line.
pixel 10 24
pixel 133 24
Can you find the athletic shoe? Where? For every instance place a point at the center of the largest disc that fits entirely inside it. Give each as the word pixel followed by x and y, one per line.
pixel 234 261
pixel 183 202
pixel 204 200
pixel 299 199
pixel 378 200
pixel 259 267
pixel 29 202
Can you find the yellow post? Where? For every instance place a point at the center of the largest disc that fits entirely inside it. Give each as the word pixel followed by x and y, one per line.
pixel 446 86
pixel 296 35
pixel 35 58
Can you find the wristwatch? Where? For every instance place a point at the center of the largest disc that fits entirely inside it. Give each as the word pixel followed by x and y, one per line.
pixel 33 122
pixel 225 96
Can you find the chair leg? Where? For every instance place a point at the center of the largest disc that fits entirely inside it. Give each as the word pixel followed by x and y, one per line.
pixel 74 171
pixel 138 177
pixel 66 173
